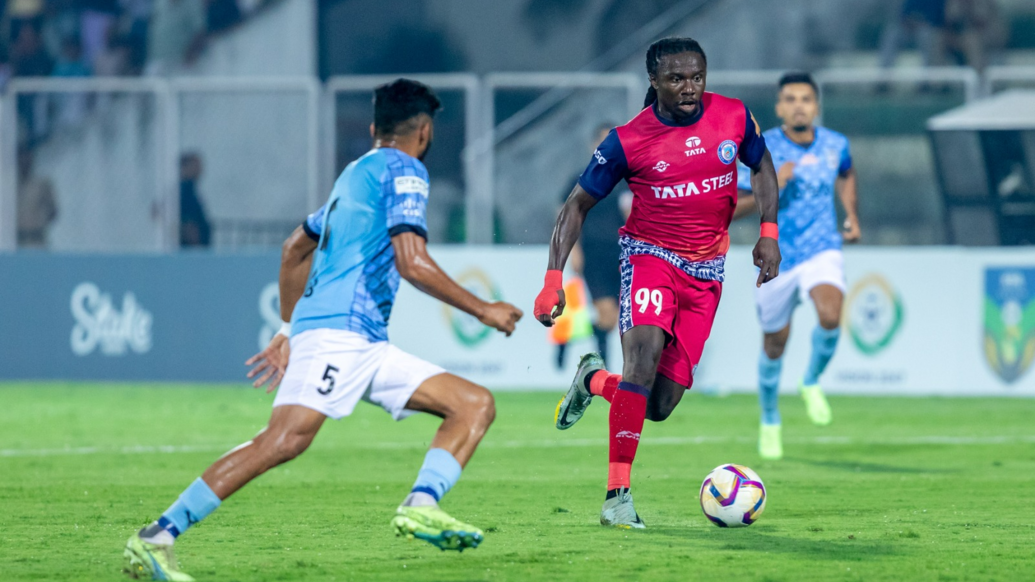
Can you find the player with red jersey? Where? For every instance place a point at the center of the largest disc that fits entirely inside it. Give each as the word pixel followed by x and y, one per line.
pixel 678 157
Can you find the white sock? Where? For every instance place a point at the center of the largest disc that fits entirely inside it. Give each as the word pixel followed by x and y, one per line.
pixel 419 499
pixel 156 534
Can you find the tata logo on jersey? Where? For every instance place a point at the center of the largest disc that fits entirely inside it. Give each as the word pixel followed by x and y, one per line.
pixel 99 323
pixel 694 143
pixel 691 188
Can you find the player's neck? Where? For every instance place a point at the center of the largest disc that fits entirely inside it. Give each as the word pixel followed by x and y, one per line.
pixel 801 136
pixel 407 145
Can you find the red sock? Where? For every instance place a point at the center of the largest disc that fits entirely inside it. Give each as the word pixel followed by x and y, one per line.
pixel 628 409
pixel 603 384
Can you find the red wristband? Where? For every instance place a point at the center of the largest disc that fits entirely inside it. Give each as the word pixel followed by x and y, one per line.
pixel 554 279
pixel 769 229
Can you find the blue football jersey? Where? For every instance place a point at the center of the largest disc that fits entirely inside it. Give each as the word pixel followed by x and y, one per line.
pixel 353 280
pixel 807 218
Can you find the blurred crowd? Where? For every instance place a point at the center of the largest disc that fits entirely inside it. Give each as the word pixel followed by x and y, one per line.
pixel 81 38
pixel 946 32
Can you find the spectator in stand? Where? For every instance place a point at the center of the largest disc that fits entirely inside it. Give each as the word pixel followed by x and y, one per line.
pixel 96 24
pixel 20 13
pixel 5 68
pixel 117 59
pixel 71 107
pixel 195 230
pixel 37 207
pixel 176 34
pixel 30 59
pixel 974 28
pixel 137 19
pixel 70 63
pixel 924 20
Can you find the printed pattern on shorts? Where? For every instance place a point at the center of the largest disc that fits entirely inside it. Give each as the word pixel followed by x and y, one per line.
pixel 710 270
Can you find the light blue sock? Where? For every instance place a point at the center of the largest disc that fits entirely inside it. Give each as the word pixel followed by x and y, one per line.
pixel 438 474
pixel 769 388
pixel 193 505
pixel 824 342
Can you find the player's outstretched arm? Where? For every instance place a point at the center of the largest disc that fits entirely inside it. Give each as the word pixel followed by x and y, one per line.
pixel 416 266
pixel 767 200
pixel 549 304
pixel 296 258
pixel 846 190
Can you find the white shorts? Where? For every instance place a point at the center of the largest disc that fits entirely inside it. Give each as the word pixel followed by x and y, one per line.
pixel 777 299
pixel 331 370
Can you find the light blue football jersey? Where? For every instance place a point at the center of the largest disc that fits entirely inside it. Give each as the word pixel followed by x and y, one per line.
pixel 353 280
pixel 807 218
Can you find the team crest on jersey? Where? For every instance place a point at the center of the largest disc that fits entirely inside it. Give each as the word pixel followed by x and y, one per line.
pixel 661 166
pixel 728 151
pixel 694 143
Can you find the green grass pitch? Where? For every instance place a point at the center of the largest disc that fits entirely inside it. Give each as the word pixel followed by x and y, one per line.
pixel 894 489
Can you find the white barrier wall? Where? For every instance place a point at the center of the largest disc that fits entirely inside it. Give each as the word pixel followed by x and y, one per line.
pixel 946 321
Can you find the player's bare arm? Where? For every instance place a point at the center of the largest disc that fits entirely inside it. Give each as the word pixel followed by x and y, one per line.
pixel 296 258
pixel 416 266
pixel 764 184
pixel 550 303
pixel 846 191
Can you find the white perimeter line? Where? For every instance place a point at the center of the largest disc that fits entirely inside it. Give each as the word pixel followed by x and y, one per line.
pixel 566 443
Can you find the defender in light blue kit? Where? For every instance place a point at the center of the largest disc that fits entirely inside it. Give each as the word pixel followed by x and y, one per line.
pixel 813 164
pixel 339 275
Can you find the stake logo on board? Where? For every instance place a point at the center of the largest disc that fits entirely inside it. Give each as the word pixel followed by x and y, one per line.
pixel 467 329
pixel 99 323
pixel 873 315
pixel 1009 340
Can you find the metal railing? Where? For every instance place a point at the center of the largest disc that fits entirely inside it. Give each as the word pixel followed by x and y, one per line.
pixel 481 133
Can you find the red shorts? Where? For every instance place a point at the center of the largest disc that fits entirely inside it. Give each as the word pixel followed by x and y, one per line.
pixel 655 292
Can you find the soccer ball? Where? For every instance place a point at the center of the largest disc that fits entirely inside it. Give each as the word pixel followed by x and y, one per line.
pixel 732 496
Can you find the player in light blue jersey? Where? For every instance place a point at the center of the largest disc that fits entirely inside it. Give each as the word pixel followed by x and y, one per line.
pixel 814 163
pixel 371 233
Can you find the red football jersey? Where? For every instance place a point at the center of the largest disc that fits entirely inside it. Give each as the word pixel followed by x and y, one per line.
pixel 683 177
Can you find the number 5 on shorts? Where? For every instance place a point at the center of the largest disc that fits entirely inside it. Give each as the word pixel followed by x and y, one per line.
pixel 329 379
pixel 646 297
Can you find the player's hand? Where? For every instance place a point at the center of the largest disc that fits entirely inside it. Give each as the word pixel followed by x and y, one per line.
pixel 785 174
pixel 501 316
pixel 549 304
pixel 851 234
pixel 767 259
pixel 271 363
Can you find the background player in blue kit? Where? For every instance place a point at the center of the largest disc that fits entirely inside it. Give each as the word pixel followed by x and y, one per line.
pixel 373 233
pixel 813 162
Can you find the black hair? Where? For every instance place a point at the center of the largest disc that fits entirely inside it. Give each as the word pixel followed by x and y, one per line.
pixel 399 102
pixel 672 45
pixel 798 77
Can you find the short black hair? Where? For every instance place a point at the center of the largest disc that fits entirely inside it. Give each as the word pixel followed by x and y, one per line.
pixel 400 101
pixel 672 45
pixel 799 77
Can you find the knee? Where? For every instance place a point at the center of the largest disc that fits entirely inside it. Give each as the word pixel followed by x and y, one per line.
pixel 479 406
pixel 659 413
pixel 773 347
pixel 829 318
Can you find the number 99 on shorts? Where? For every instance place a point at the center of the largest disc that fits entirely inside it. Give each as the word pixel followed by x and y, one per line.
pixel 649 299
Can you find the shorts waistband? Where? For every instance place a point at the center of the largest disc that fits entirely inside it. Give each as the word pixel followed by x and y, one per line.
pixel 710 270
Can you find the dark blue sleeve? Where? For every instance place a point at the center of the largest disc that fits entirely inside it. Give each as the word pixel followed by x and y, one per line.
pixel 607 168
pixel 846 161
pixel 753 147
pixel 313 224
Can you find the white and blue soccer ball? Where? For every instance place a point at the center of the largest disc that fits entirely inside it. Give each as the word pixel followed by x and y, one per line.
pixel 732 496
